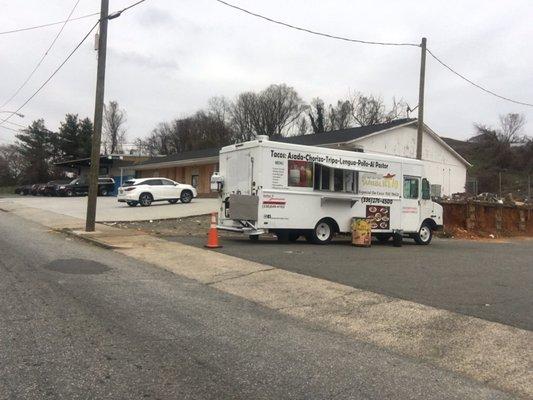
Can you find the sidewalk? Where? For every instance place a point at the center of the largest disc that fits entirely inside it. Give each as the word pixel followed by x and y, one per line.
pixel 496 354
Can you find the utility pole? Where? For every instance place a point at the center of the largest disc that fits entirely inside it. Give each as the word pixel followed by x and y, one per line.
pixel 98 111
pixel 420 131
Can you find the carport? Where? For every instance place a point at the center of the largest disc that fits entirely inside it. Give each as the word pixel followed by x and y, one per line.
pixel 116 166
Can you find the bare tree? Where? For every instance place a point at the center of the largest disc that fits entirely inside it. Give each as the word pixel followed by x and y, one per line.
pixel 245 116
pixel 114 131
pixel 511 128
pixel 370 110
pixel 340 116
pixel 273 112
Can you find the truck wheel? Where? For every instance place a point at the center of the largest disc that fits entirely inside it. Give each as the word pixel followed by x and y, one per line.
pixel 397 239
pixel 103 192
pixel 69 193
pixel 145 199
pixel 424 235
pixel 186 196
pixel 323 232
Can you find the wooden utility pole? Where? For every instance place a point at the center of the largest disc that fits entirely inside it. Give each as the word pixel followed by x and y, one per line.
pixel 98 114
pixel 420 131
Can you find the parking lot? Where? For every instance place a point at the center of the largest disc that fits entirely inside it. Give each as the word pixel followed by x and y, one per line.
pixel 109 209
pixel 489 280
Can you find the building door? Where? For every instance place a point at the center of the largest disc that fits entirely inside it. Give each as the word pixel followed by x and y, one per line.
pixel 195 179
pixel 411 204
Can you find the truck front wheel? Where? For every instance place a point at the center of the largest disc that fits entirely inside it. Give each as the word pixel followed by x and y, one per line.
pixel 424 235
pixel 323 232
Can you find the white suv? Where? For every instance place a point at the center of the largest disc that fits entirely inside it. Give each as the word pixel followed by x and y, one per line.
pixel 147 190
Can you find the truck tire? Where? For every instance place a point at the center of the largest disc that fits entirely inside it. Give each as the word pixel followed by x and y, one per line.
pixel 103 191
pixel 397 239
pixel 186 196
pixel 294 236
pixel 323 232
pixel 282 236
pixel 69 193
pixel 424 235
pixel 145 199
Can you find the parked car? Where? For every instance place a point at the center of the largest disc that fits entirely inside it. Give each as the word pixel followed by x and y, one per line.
pixel 80 187
pixel 34 190
pixel 51 188
pixel 21 189
pixel 24 189
pixel 147 190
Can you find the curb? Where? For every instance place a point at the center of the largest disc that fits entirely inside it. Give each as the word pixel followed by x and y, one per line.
pixel 89 239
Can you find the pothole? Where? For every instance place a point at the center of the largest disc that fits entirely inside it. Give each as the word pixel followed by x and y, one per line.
pixel 77 266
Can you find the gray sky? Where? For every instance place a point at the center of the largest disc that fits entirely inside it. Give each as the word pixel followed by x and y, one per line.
pixel 167 58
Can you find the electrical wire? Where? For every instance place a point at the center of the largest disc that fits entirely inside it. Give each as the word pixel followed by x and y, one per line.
pixel 316 32
pixel 16 124
pixel 69 20
pixel 374 43
pixel 63 63
pixel 46 25
pixel 53 73
pixel 39 63
pixel 475 84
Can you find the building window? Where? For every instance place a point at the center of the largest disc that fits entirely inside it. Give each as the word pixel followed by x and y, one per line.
pixel 410 187
pixel 194 180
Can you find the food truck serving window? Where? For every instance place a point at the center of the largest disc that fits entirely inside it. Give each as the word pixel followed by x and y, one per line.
pixel 335 179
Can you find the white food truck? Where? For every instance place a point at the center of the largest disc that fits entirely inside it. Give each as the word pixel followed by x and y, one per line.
pixel 294 190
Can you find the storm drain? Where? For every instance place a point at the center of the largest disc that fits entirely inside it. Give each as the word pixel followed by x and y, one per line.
pixel 77 266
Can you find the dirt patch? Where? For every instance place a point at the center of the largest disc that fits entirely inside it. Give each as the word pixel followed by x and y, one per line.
pixel 189 226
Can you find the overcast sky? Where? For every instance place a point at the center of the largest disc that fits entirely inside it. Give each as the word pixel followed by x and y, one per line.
pixel 167 58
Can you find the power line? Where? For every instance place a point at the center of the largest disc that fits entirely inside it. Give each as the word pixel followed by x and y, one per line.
pixel 374 43
pixel 116 14
pixel 46 25
pixel 16 124
pixel 39 63
pixel 316 32
pixel 53 73
pixel 68 20
pixel 475 84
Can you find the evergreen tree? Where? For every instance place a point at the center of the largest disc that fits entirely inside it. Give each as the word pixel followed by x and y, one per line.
pixel 35 145
pixel 74 138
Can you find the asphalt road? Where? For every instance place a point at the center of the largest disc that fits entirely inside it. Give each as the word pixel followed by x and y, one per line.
pixel 489 280
pixel 80 322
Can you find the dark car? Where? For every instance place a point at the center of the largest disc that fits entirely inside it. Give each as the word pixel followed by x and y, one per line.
pixel 34 190
pixel 80 187
pixel 24 189
pixel 51 188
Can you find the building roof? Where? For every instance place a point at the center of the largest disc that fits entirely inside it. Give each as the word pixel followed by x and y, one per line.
pixel 316 139
pixel 104 159
pixel 186 155
pixel 343 135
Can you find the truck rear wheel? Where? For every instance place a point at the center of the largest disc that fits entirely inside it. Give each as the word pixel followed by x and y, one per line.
pixel 323 232
pixel 424 235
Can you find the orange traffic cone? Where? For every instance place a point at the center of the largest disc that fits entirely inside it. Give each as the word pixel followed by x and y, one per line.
pixel 212 236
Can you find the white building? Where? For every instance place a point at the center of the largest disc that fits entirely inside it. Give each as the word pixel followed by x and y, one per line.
pixel 445 168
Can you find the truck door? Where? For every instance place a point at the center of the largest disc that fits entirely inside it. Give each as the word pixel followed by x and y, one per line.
pixel 411 204
pixel 239 173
